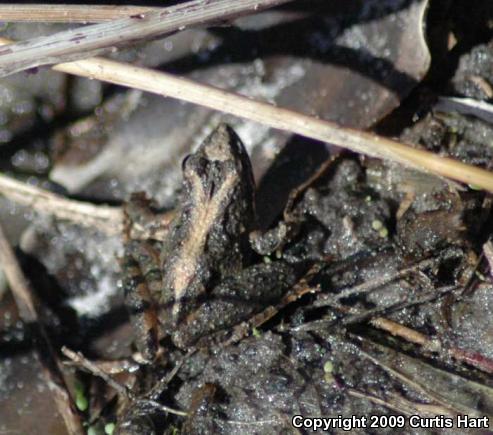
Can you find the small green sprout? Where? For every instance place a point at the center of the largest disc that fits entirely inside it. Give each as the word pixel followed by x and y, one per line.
pixel 328 367
pixel 81 401
pixel 109 428
pixel 377 225
pixel 383 233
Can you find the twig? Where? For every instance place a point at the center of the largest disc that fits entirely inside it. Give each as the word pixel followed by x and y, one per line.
pixel 95 370
pixel 96 39
pixel 296 193
pixel 399 403
pixel 83 14
pixel 356 315
pixel 362 316
pixel 248 423
pixel 26 304
pixel 402 331
pixel 467 106
pixel 107 219
pixel 161 385
pixel 163 408
pixel 422 408
pixel 362 142
pixel 474 359
pixel 110 367
pixel 488 253
pixel 300 289
pixel 427 390
pixel 373 284
pixel 104 218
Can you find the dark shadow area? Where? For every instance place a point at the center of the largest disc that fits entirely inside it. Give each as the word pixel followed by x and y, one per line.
pixel 297 39
pixel 311 36
pixel 291 167
pixel 472 26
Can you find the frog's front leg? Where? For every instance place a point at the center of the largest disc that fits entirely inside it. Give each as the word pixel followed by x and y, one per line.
pixel 142 280
pixel 142 219
pixel 274 239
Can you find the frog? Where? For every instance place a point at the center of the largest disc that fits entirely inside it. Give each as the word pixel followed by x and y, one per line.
pixel 204 277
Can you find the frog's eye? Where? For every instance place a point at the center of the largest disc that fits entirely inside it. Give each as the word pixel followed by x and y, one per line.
pixel 184 162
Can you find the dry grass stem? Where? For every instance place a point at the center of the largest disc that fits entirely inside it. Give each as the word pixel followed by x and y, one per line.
pixel 475 359
pixel 411 383
pixel 47 13
pixel 300 289
pixel 454 392
pixel 402 331
pixel 402 405
pixel 373 284
pixel 94 369
pixel 488 253
pixel 110 367
pixel 99 38
pixel 358 141
pixel 82 362
pixel 26 304
pixel 108 220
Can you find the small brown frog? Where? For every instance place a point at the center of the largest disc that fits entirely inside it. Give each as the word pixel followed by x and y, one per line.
pixel 200 279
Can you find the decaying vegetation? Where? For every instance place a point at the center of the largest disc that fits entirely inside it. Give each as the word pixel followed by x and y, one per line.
pixel 369 129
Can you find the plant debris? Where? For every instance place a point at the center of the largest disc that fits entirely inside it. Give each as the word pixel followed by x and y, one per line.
pixel 380 289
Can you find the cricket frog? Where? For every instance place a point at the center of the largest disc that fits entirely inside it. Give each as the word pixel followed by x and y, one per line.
pixel 200 279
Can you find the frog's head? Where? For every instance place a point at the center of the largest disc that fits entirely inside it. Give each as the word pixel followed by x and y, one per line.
pixel 221 156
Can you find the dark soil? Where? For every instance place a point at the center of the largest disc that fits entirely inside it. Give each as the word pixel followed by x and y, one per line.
pixel 404 247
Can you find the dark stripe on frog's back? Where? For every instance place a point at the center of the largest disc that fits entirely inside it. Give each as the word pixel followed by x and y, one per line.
pixel 216 212
pixel 190 249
